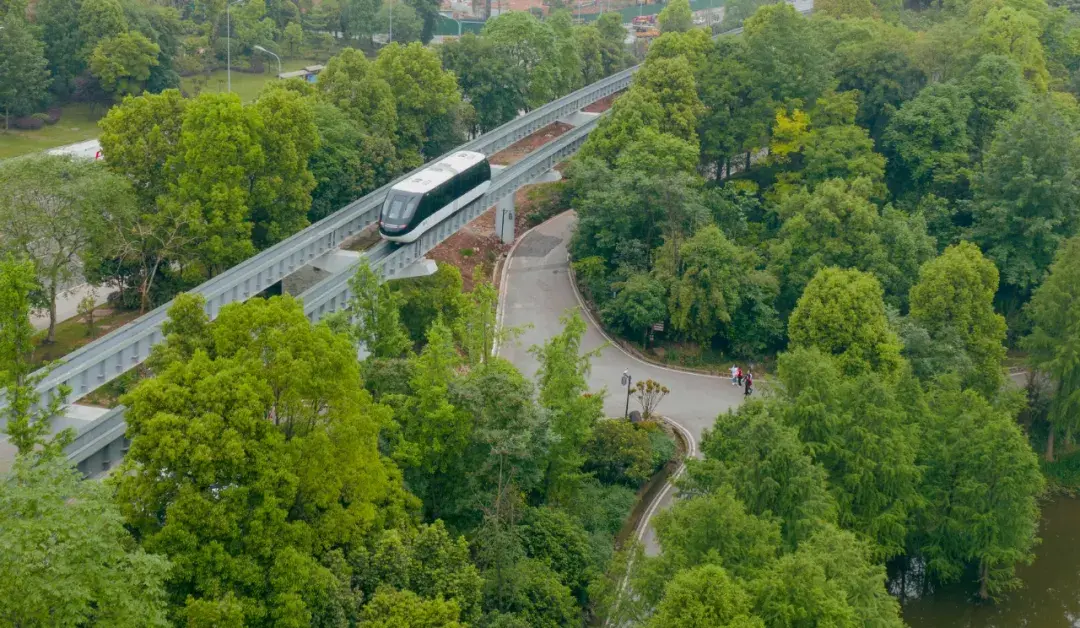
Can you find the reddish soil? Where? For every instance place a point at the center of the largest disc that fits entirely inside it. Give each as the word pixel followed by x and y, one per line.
pixel 602 105
pixel 518 150
pixel 477 245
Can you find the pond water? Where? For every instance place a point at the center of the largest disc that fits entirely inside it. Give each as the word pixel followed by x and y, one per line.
pixel 1050 597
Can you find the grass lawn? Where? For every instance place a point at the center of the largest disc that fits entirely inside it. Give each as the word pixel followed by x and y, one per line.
pixel 76 124
pixel 71 334
pixel 244 84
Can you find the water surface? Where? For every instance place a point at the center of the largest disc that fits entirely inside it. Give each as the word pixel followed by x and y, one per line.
pixel 1050 597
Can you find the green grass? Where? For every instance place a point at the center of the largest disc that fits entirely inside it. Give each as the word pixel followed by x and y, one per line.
pixel 71 334
pixel 244 84
pixel 77 124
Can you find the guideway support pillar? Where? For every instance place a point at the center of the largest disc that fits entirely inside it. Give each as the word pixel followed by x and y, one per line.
pixel 504 219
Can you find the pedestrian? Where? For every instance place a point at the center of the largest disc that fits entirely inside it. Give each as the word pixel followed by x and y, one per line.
pixel 738 377
pixel 734 375
pixel 749 384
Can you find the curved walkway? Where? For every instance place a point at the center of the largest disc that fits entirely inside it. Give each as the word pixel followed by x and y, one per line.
pixel 536 292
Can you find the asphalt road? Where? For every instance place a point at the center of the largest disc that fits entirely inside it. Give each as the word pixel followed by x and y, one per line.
pixel 537 292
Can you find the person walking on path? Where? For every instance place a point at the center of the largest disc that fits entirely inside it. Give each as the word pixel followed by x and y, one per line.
pixel 734 375
pixel 738 376
pixel 749 384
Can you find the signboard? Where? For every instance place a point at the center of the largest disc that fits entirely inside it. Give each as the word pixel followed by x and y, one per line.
pixel 658 326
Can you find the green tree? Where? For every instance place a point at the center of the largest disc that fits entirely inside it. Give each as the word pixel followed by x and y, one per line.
pixel 122 63
pixel 530 44
pixel 619 452
pixel 408 25
pixel 928 145
pixel 281 197
pixel 640 302
pixel 769 468
pixel 671 83
pixel 553 537
pixel 841 312
pixel 996 87
pixel 27 419
pixel 884 71
pixel 351 83
pixel 676 17
pixel 218 152
pixel 859 429
pixel 1054 343
pixel 98 20
pixel 348 163
pixel 493 84
pixel 426 96
pixel 704 279
pixel 254 466
pixel 955 296
pixel 378 320
pixel 24 78
pixel 50 212
pixel 428 12
pixel 705 596
pixel 59 22
pixel 1026 196
pixel 67 558
pixel 981 487
pixel 1013 32
pixel 426 299
pixel 138 138
pixel 293 38
pixel 833 578
pixel 795 70
pixel 563 390
pixel 405 609
pixel 738 111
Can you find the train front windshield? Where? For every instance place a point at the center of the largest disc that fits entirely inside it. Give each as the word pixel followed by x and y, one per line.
pixel 399 209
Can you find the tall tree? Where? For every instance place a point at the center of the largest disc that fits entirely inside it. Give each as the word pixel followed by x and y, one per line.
pixel 351 83
pixel 1054 342
pixel 59 22
pixel 795 70
pixel 981 487
pixel 955 295
pixel 50 213
pixel 574 410
pixel 738 111
pixel 24 77
pixel 705 596
pixel 378 320
pixel 68 560
pixel 676 17
pixel 493 84
pixel 27 419
pixel 841 312
pixel 426 96
pixel 1026 196
pixel 254 466
pixel 530 44
pixel 122 63
pixel 928 145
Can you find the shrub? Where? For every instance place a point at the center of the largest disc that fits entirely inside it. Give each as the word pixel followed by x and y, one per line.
pixel 28 123
pixel 619 453
pixel 53 114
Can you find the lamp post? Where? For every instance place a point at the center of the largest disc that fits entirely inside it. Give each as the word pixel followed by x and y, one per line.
pixel 228 44
pixel 390 37
pixel 626 379
pixel 261 49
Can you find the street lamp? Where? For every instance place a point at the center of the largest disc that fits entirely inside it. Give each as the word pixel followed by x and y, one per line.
pixel 626 379
pixel 390 37
pixel 228 44
pixel 261 49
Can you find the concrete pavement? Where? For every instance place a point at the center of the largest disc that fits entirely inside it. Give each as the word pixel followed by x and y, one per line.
pixel 536 292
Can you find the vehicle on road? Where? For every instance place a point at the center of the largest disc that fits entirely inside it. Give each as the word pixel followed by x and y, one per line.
pixel 428 197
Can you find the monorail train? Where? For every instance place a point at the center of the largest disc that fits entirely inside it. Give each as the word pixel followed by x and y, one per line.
pixel 423 200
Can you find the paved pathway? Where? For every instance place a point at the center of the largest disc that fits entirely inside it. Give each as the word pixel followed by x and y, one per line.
pixel 538 292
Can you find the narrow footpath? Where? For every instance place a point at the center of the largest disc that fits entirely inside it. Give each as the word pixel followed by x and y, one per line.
pixel 536 292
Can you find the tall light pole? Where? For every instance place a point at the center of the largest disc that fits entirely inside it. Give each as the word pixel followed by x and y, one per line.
pixel 390 38
pixel 626 379
pixel 261 49
pixel 228 44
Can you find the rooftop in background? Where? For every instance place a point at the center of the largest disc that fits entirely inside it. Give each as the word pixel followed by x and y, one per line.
pixel 308 73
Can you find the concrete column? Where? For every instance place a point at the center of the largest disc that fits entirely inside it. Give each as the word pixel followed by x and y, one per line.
pixel 504 219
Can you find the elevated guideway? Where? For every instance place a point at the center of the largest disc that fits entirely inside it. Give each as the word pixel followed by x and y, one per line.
pixel 101 443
